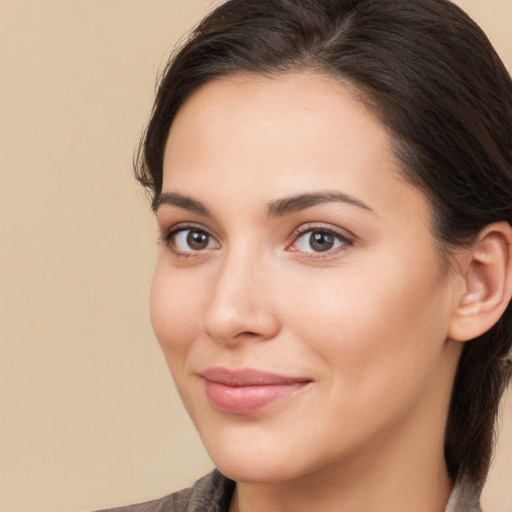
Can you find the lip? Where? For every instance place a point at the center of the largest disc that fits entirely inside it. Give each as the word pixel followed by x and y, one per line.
pixel 247 391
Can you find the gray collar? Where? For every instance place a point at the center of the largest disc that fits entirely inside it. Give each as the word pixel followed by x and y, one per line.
pixel 465 497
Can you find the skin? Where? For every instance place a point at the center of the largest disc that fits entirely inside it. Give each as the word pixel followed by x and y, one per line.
pixel 366 322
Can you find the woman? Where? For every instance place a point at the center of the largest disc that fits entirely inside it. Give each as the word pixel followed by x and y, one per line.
pixel 332 181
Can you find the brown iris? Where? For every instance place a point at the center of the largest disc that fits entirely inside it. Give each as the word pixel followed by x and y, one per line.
pixel 198 240
pixel 321 241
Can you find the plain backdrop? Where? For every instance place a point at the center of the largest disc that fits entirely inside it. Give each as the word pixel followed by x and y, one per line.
pixel 89 416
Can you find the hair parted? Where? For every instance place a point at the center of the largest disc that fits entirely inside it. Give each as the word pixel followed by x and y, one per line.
pixel 433 78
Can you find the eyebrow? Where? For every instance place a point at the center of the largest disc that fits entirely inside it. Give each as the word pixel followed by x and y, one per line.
pixel 288 205
pixel 277 208
pixel 187 203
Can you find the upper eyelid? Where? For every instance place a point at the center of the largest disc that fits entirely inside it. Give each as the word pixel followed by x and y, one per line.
pixel 314 226
pixel 345 237
pixel 184 226
pixel 167 232
pixel 167 236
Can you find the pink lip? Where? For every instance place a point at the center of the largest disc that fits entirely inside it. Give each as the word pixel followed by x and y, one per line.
pixel 246 391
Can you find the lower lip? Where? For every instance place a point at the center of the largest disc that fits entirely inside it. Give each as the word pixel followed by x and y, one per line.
pixel 248 399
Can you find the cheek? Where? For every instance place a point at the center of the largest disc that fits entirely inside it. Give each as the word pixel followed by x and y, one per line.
pixel 379 352
pixel 373 328
pixel 174 311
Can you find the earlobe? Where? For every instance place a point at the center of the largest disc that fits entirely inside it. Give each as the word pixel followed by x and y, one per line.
pixel 488 283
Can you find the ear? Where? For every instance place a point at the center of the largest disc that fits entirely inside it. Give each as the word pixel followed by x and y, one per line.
pixel 488 283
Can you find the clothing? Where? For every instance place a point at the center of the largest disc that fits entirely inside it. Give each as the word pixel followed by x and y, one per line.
pixel 465 497
pixel 213 493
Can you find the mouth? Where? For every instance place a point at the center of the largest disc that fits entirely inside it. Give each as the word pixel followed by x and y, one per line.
pixel 247 391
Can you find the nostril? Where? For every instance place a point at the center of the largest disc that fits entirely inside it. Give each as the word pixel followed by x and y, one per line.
pixel 247 335
pixel 237 338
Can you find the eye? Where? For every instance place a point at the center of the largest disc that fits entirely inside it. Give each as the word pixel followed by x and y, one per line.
pixel 188 240
pixel 318 240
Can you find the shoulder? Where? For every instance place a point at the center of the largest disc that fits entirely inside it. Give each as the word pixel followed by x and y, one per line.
pixel 212 493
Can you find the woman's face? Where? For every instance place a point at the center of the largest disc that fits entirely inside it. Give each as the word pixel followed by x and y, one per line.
pixel 298 297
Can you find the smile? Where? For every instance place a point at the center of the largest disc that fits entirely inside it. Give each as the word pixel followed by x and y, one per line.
pixel 247 391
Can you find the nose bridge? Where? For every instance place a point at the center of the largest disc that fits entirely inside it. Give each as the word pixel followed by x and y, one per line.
pixel 240 305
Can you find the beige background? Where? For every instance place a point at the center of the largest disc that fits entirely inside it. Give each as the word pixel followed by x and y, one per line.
pixel 89 417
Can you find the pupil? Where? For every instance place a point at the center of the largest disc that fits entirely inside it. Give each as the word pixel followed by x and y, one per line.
pixel 321 241
pixel 197 240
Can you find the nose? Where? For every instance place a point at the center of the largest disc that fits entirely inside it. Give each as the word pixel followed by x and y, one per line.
pixel 241 306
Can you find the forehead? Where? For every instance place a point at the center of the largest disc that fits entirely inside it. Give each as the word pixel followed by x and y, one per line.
pixel 309 103
pixel 276 136
pixel 289 117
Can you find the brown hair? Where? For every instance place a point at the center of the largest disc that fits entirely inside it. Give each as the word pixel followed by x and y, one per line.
pixel 434 79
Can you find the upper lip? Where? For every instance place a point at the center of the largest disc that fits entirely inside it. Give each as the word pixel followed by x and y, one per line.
pixel 248 377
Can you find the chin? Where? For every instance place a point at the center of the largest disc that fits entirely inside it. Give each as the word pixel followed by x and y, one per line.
pixel 244 465
pixel 256 471
pixel 254 456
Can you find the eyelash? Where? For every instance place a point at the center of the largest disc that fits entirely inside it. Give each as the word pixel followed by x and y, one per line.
pixel 167 236
pixel 343 237
pixel 347 241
